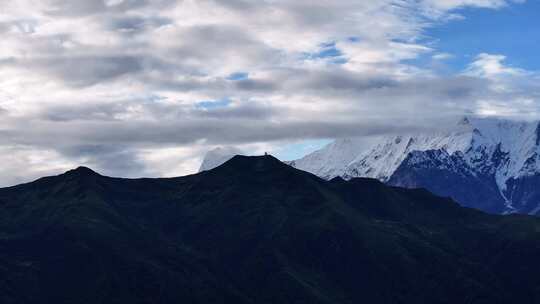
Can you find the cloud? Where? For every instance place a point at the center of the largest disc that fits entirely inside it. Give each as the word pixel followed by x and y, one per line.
pixel 453 4
pixel 119 84
pixel 442 56
pixel 490 66
pixel 513 92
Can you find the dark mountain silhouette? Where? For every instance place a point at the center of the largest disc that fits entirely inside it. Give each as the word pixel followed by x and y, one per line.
pixel 255 230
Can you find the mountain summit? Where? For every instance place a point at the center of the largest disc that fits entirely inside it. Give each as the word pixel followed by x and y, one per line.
pixel 255 231
pixel 217 157
pixel 489 164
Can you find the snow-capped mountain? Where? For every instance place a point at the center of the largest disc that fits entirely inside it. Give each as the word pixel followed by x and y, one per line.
pixel 490 164
pixel 217 157
pixel 332 160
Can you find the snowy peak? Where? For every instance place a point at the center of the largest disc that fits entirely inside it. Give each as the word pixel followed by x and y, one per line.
pixel 217 157
pixel 498 152
pixel 465 121
pixel 439 160
pixel 332 160
pixel 507 147
pixel 484 143
pixel 382 160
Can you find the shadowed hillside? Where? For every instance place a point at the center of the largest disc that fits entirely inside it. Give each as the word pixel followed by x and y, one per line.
pixel 255 230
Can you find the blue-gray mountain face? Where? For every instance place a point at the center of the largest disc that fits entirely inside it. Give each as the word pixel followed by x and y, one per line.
pixel 489 164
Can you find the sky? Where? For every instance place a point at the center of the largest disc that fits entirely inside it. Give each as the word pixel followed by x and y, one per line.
pixel 145 87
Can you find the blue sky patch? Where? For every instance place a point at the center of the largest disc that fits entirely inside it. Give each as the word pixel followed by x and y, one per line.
pixel 213 104
pixel 238 76
pixel 327 51
pixel 512 31
pixel 300 149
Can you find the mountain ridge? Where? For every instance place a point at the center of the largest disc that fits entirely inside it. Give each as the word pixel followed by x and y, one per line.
pixel 255 230
pixel 497 152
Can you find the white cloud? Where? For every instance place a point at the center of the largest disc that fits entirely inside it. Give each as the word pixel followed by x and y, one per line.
pixel 442 56
pixel 452 4
pixel 492 66
pixel 513 91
